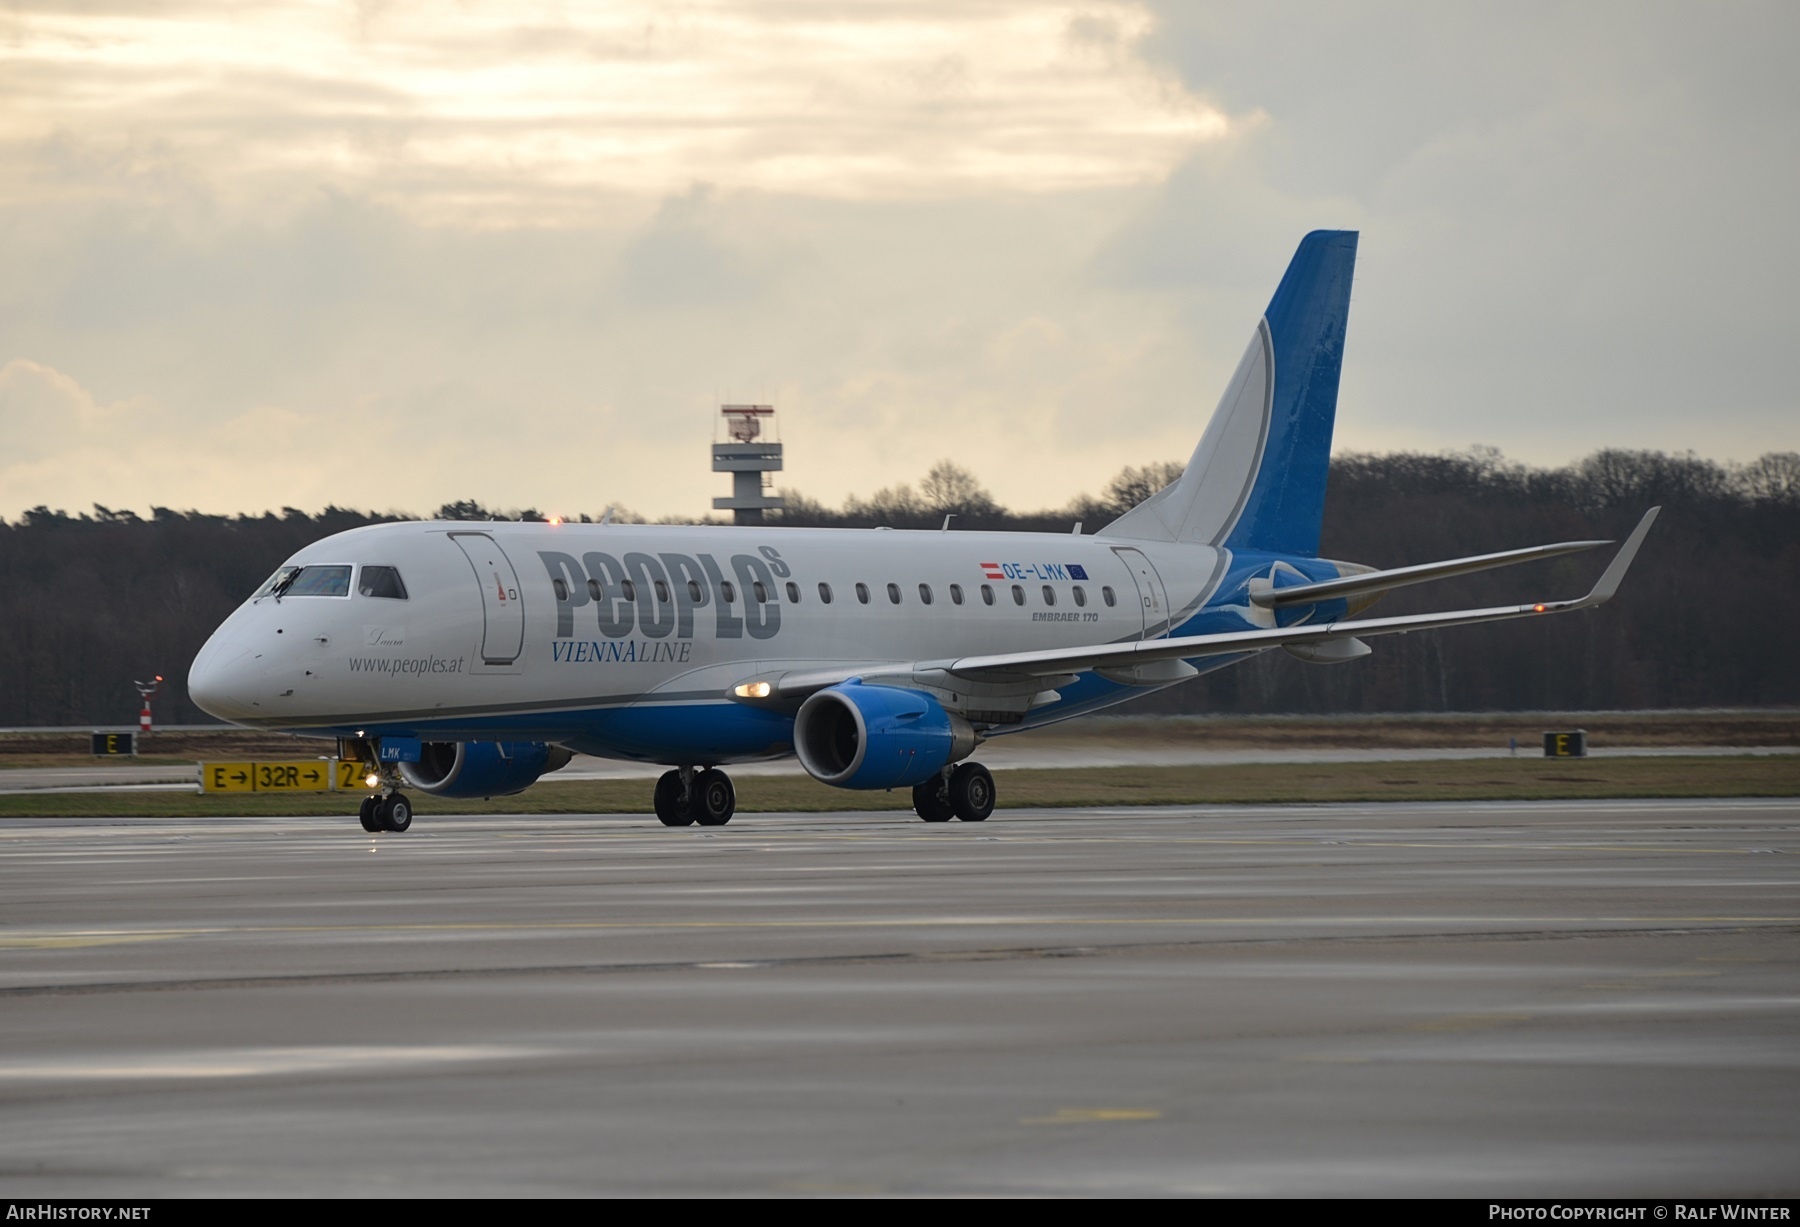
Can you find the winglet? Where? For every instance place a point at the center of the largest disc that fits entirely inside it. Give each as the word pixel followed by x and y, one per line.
pixel 1615 570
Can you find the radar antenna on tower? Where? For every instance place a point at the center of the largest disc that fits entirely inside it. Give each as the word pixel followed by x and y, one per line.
pixel 750 459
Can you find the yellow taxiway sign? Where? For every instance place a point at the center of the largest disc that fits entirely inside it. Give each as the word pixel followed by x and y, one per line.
pixel 301 775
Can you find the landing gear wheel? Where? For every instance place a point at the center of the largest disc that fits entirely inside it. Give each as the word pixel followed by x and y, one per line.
pixel 714 800
pixel 667 800
pixel 394 812
pixel 371 821
pixel 972 792
pixel 931 802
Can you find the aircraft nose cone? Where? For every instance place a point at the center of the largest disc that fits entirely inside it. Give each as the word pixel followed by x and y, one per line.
pixel 216 680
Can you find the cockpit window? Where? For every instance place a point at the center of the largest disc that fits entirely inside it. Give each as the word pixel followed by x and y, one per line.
pixel 308 581
pixel 383 581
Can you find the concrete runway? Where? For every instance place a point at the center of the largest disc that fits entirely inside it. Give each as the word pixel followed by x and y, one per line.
pixel 1496 1000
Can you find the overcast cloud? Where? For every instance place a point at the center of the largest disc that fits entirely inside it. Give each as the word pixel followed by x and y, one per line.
pixel 392 254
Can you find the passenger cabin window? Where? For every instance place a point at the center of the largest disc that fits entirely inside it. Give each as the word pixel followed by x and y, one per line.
pixel 1049 595
pixel 694 591
pixel 894 594
pixel 1080 595
pixel 956 594
pixel 793 591
pixel 662 591
pixel 562 589
pixel 762 593
pixel 629 589
pixel 825 594
pixel 862 592
pixel 987 594
pixel 925 594
pixel 1018 595
pixel 729 591
pixel 594 589
pixel 385 582
pixel 308 581
pixel 1106 594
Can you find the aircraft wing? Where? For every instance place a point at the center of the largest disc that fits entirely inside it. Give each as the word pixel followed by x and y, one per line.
pixel 1144 651
pixel 1051 664
pixel 1363 583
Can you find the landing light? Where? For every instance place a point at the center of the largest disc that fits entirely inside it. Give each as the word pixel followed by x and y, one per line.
pixel 371 780
pixel 753 690
pixel 1537 609
pixel 556 520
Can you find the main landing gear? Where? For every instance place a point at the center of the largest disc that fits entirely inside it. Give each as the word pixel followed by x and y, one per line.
pixel 685 796
pixel 965 791
pixel 390 813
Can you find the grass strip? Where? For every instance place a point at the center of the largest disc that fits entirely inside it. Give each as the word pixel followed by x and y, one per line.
pixel 1484 779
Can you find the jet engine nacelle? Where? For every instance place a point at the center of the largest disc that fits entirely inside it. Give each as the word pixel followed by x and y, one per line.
pixel 481 768
pixel 857 736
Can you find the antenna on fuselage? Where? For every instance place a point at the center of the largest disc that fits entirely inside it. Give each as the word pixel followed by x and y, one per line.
pixel 948 516
pixel 607 518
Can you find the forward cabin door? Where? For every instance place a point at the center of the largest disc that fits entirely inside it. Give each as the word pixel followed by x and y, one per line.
pixel 1152 597
pixel 503 613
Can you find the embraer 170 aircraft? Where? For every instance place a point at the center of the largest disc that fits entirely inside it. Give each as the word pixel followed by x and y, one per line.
pixel 467 660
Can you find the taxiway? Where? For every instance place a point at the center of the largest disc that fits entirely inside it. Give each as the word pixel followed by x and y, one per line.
pixel 1497 1000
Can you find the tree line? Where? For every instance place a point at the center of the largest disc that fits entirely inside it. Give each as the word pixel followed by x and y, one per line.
pixel 92 601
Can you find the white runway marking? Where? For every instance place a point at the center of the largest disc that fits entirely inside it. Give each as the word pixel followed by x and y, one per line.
pixel 258 1062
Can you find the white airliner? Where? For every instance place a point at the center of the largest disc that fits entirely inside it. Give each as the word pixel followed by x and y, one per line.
pixel 466 660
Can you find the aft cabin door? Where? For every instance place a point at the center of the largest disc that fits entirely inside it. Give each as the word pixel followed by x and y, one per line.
pixel 1151 595
pixel 503 613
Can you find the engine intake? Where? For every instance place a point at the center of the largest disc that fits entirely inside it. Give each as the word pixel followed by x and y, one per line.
pixel 857 736
pixel 481 768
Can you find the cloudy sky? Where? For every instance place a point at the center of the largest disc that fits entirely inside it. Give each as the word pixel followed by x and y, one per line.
pixel 388 254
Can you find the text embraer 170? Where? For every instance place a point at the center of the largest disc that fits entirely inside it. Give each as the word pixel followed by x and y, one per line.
pixel 466 661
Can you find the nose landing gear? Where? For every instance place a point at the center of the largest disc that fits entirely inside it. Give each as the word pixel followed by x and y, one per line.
pixel 388 810
pixel 390 813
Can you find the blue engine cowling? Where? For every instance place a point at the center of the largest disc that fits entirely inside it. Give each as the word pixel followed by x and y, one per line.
pixel 857 736
pixel 481 768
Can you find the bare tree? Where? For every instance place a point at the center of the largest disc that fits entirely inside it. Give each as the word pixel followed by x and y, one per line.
pixel 1132 486
pixel 1773 478
pixel 950 487
pixel 897 506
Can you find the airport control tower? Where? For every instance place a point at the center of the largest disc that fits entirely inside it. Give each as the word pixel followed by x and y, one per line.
pixel 749 458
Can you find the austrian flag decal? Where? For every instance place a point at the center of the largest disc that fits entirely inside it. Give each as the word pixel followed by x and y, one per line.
pixel 1032 570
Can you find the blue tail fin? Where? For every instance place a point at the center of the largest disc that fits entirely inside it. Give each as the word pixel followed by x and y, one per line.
pixel 1257 479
